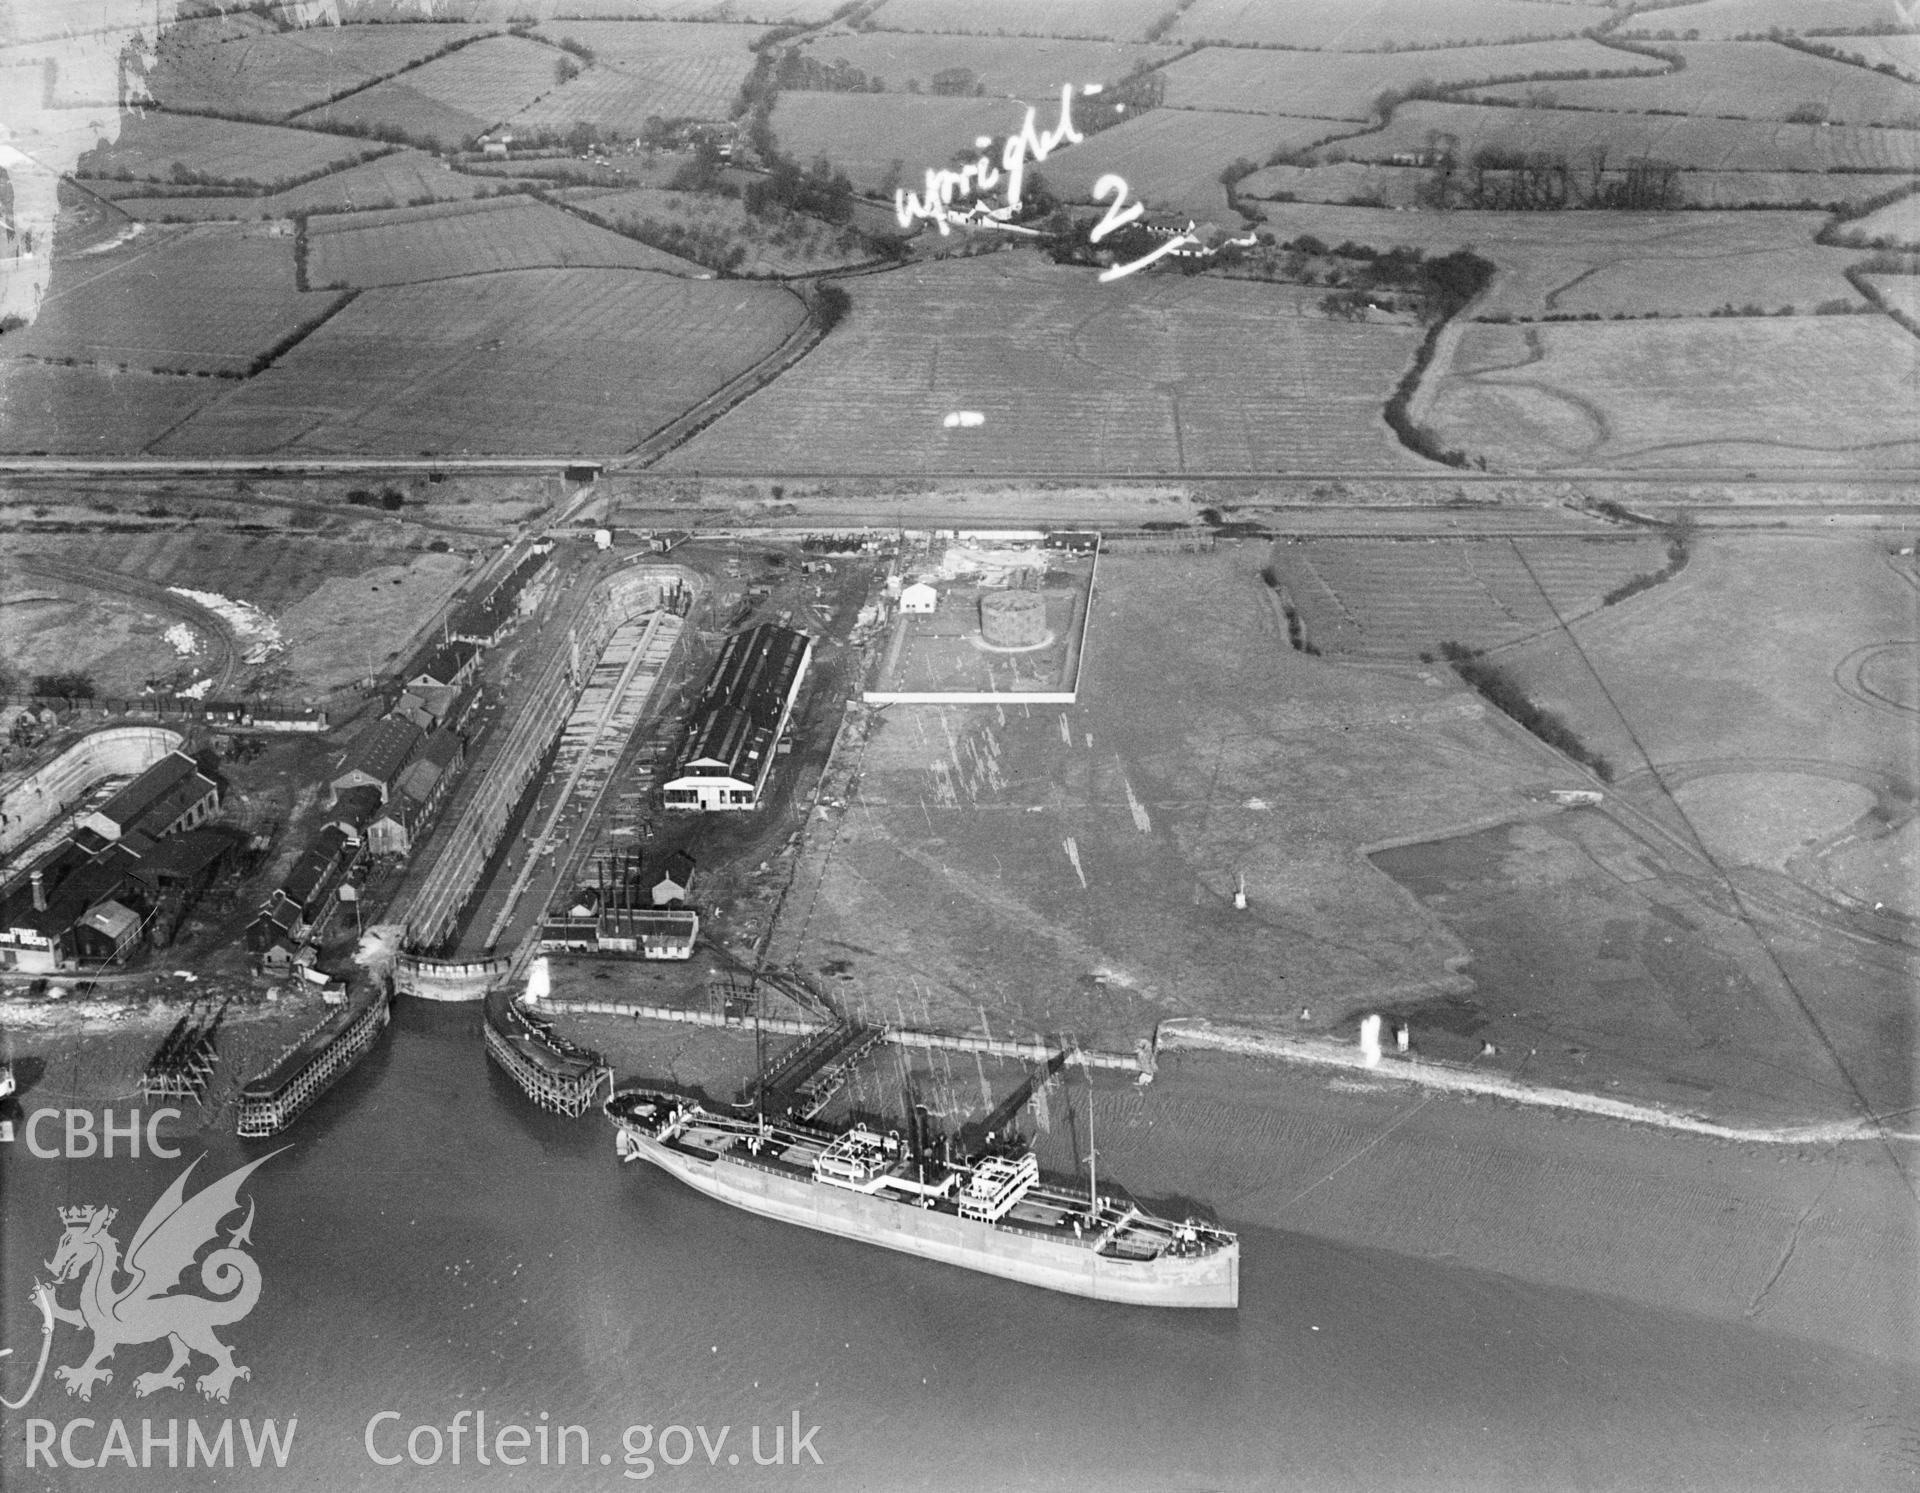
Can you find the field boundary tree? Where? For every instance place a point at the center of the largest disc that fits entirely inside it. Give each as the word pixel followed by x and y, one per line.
pixel 1505 693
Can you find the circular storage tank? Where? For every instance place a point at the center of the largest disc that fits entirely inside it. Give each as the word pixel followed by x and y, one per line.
pixel 1013 619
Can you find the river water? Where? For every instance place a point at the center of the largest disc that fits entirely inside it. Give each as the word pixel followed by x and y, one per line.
pixel 432 1245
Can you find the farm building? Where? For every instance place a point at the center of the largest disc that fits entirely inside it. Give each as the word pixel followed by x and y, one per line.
pixel 378 756
pixel 742 711
pixel 919 599
pixel 170 796
pixel 674 879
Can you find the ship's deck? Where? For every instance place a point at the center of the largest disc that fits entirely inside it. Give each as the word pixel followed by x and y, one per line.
pixel 1118 1230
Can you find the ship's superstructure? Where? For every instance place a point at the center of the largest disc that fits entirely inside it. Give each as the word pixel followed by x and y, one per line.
pixel 990 1213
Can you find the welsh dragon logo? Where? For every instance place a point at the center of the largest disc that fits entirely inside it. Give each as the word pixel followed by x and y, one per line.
pixel 135 1299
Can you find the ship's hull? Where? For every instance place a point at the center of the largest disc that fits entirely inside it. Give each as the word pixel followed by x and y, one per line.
pixel 1209 1280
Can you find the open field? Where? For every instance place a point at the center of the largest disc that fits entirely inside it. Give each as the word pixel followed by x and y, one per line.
pixel 453 98
pixel 586 360
pixel 1902 52
pixel 1899 221
pixel 1109 20
pixel 272 571
pixel 1171 158
pixel 1885 871
pixel 1901 293
pixel 413 244
pixel 1830 190
pixel 557 13
pixel 1071 375
pixel 791 244
pixel 1738 660
pixel 619 100
pixel 1572 263
pixel 394 180
pixel 205 299
pixel 277 73
pixel 159 147
pixel 1737 672
pixel 973 817
pixel 871 136
pixel 673 69
pixel 1753 80
pixel 92 411
pixel 1371 184
pixel 1835 391
pixel 1385 600
pixel 1033 68
pixel 1588 950
pixel 1334 25
pixel 54 626
pixel 1343 85
pixel 1699 144
pixel 1731 18
pixel 350 625
pixel 1355 182
pixel 341 607
pixel 640 45
pixel 1072 872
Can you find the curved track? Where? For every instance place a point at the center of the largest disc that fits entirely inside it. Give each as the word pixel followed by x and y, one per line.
pixel 220 637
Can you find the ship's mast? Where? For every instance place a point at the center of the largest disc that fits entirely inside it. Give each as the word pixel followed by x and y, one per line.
pixel 759 1062
pixel 1093 1151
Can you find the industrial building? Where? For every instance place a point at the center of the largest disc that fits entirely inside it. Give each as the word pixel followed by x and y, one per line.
pixel 133 866
pixel 378 756
pixel 735 725
pixel 170 796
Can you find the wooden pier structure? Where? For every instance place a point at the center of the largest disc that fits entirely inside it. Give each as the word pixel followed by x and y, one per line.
pixel 182 1065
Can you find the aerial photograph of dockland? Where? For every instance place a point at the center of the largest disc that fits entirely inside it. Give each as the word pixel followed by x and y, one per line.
pixel 960 745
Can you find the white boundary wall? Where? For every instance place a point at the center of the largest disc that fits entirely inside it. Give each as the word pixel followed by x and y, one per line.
pixel 52 788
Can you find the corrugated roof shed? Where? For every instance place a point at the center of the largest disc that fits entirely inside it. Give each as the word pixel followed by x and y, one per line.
pixel 756 670
pixel 382 750
pixel 159 795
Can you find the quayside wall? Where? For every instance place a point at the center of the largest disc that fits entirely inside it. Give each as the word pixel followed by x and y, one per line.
pixel 505 766
pixel 999 1047
pixel 447 979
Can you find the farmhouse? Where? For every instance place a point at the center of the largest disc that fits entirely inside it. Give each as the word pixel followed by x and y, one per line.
pixel 742 711
pixel 170 796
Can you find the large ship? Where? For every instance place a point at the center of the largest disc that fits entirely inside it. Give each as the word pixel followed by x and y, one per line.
pixel 990 1212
